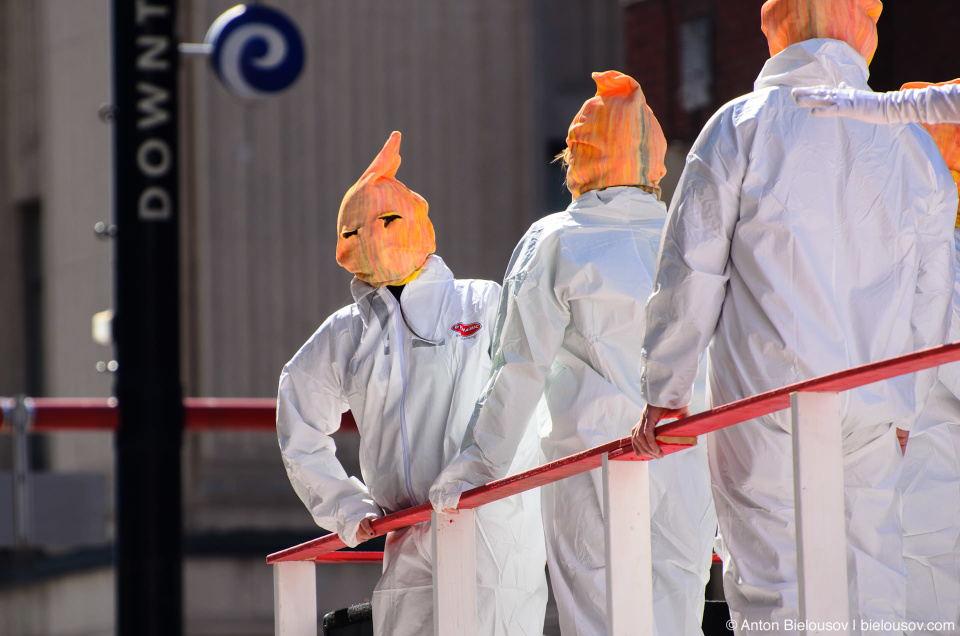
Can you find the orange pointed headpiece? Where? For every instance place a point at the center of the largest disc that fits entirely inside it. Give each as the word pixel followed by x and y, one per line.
pixel 787 22
pixel 615 139
pixel 947 137
pixel 384 235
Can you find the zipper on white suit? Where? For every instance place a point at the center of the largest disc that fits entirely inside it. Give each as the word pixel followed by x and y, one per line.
pixel 404 443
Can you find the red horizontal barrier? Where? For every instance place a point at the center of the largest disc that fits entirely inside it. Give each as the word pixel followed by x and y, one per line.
pixel 356 556
pixel 70 414
pixel 350 556
pixel 695 425
pixel 779 399
pixel 317 548
pixel 52 415
pixel 233 414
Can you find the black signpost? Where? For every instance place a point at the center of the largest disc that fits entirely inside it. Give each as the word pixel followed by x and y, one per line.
pixel 146 323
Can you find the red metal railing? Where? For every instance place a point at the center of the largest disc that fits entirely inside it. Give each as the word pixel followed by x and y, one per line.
pixel 49 415
pixel 52 415
pixel 695 425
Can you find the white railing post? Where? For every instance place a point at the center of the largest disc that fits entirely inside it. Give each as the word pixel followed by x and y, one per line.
pixel 626 527
pixel 295 598
pixel 454 574
pixel 818 501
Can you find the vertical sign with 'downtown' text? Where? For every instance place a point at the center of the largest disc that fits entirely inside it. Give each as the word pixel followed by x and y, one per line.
pixel 146 319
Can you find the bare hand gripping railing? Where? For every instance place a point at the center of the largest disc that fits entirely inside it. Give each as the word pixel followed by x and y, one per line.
pixel 818 479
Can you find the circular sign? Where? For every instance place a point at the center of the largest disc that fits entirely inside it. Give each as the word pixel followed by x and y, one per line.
pixel 256 51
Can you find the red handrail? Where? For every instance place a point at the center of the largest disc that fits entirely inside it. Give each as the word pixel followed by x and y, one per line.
pixel 350 556
pixel 51 415
pixel 699 424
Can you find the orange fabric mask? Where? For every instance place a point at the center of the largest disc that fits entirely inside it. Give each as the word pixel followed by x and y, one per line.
pixel 947 137
pixel 787 22
pixel 615 139
pixel 384 235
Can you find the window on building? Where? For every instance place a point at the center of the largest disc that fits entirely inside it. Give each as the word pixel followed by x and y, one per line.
pixel 32 296
pixel 32 308
pixel 696 64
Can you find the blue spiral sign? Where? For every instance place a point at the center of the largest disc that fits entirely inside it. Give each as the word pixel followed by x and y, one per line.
pixel 256 51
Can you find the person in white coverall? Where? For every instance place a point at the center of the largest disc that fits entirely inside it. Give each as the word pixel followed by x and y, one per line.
pixel 930 484
pixel 568 330
pixel 409 359
pixel 795 247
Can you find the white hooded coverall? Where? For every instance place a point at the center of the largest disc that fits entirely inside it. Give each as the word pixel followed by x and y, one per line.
pixel 930 483
pixel 930 492
pixel 569 330
pixel 411 381
pixel 798 246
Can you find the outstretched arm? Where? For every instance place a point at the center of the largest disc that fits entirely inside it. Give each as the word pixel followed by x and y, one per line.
pixel 931 105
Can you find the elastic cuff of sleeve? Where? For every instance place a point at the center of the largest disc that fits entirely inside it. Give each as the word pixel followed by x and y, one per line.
pixel 445 498
pixel 348 533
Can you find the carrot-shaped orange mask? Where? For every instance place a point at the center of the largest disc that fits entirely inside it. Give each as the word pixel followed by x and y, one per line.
pixel 384 233
pixel 787 22
pixel 947 138
pixel 615 140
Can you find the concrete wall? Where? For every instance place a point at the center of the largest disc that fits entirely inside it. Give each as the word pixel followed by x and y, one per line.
pixel 11 354
pixel 222 597
pixel 67 606
pixel 19 174
pixel 471 85
pixel 74 188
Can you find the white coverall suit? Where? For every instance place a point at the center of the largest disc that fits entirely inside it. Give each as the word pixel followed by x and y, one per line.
pixel 930 483
pixel 411 382
pixel 569 330
pixel 795 247
pixel 930 492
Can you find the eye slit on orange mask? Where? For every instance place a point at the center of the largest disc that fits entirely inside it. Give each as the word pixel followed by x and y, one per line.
pixel 347 235
pixel 389 218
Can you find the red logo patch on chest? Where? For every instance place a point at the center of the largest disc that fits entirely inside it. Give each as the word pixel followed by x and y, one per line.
pixel 466 330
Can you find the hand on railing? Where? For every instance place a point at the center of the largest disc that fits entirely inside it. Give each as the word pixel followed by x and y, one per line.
pixel 365 532
pixel 644 437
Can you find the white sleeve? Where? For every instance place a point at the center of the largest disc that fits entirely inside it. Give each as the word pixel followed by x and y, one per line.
pixel 531 321
pixel 949 374
pixel 693 266
pixel 932 309
pixel 309 408
pixel 930 105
